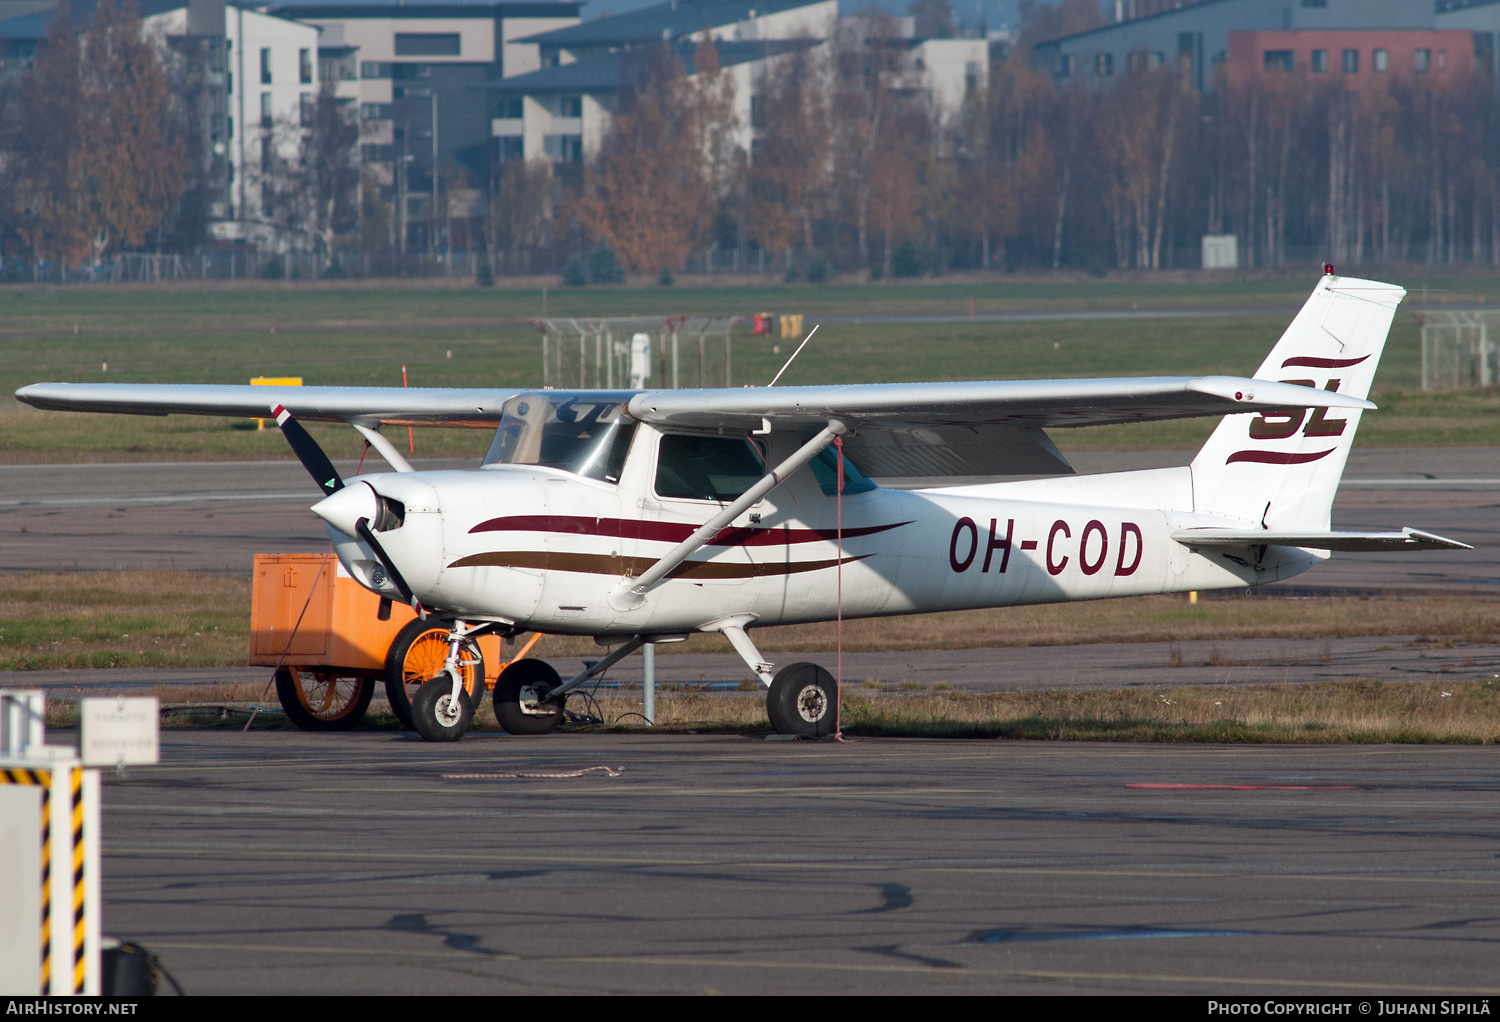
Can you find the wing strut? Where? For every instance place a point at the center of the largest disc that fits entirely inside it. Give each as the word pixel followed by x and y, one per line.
pixel 384 447
pixel 632 592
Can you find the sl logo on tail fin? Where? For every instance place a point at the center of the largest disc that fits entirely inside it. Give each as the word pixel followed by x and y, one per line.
pixel 1283 425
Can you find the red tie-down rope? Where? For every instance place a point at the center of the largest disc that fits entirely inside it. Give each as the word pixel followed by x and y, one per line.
pixel 838 735
pixel 411 441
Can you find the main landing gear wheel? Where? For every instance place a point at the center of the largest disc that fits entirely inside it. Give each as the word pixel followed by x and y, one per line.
pixel 321 699
pixel 417 655
pixel 436 715
pixel 803 700
pixel 517 707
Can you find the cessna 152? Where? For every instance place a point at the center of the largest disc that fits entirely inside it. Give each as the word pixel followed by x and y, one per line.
pixel 644 516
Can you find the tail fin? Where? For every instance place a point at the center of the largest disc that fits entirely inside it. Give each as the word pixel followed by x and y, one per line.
pixel 1281 471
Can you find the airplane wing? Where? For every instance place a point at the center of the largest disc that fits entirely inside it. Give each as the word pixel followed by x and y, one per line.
pixel 1406 539
pixel 367 406
pixel 896 429
pixel 979 428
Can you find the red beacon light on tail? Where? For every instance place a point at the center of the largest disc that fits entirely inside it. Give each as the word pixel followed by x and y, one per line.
pixel 1328 269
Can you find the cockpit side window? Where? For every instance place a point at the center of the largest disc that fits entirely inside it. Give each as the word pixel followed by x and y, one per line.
pixel 825 468
pixel 584 435
pixel 717 468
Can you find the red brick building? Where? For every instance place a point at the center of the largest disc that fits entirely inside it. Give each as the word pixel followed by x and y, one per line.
pixel 1358 59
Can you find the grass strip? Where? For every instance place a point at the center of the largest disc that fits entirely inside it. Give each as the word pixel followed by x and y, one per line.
pixel 193 342
pixel 1358 712
pixel 1323 713
pixel 166 619
pixel 173 619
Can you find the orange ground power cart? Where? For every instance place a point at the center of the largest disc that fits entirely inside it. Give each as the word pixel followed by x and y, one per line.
pixel 331 640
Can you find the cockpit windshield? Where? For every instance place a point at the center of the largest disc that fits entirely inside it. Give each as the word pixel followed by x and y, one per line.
pixel 586 434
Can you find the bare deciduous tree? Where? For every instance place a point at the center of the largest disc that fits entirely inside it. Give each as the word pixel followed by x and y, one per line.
pixel 788 181
pixel 650 192
pixel 132 166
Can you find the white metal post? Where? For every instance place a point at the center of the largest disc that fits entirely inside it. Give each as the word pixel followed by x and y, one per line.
pixel 21 894
pixel 648 683
pixel 23 716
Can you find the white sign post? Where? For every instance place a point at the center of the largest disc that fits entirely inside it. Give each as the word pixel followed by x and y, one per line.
pixel 119 732
pixel 640 361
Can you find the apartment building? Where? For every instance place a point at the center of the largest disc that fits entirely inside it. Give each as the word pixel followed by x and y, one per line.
pixel 562 111
pixel 243 79
pixel 416 73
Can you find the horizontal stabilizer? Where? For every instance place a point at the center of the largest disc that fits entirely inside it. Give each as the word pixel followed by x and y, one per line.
pixel 1406 539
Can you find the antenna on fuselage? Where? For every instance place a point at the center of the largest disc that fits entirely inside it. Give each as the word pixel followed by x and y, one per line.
pixel 795 354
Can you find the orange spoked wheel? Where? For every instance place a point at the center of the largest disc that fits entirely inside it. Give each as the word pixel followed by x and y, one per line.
pixel 323 699
pixel 417 655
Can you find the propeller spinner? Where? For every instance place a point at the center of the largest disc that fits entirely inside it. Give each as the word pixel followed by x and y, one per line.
pixel 320 467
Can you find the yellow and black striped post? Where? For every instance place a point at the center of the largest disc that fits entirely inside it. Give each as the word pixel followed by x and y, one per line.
pixel 80 930
pixel 69 924
pixel 40 779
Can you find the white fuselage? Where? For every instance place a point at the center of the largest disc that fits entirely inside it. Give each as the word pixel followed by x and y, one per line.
pixel 542 549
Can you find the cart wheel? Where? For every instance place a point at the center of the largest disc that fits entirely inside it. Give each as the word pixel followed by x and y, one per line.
pixel 437 716
pixel 417 654
pixel 516 680
pixel 323 699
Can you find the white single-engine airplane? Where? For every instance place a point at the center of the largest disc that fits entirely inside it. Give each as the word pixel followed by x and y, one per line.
pixel 644 516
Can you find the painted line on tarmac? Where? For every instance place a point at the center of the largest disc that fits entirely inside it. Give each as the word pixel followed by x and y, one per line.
pixel 1448 483
pixel 1245 787
pixel 273 462
pixel 1311 984
pixel 933 970
pixel 187 498
pixel 167 851
pixel 1062 315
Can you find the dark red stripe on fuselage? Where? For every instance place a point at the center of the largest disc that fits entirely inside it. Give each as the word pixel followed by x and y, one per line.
pixel 668 532
pixel 598 564
pixel 1322 363
pixel 1276 457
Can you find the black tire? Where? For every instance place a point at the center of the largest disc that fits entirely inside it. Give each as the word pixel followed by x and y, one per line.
pixel 773 709
pixel 322 699
pixel 433 714
pixel 523 674
pixel 413 660
pixel 803 700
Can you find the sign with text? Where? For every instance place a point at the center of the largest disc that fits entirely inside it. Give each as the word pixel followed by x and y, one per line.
pixel 119 731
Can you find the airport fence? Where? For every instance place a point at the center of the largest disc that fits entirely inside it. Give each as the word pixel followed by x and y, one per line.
pixel 1460 349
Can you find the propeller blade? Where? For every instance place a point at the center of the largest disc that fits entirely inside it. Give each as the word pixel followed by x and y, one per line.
pixel 308 452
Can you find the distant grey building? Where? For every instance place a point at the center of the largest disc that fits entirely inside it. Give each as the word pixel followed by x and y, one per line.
pixel 415 71
pixel 236 72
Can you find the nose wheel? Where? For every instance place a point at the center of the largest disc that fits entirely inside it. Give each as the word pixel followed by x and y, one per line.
pixel 437 714
pixel 803 700
pixel 417 655
pixel 443 707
